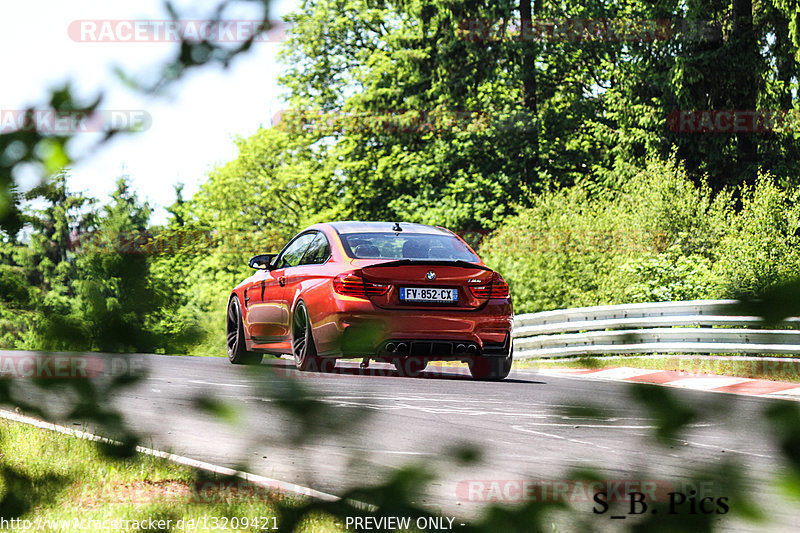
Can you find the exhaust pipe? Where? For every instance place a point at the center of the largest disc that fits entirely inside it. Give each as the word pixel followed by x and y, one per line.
pixel 402 347
pixel 391 347
pixel 460 348
pixel 472 349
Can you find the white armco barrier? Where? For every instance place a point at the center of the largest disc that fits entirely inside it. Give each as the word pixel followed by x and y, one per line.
pixel 698 326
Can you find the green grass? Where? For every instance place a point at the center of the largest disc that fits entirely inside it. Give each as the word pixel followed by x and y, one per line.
pixel 52 476
pixel 772 370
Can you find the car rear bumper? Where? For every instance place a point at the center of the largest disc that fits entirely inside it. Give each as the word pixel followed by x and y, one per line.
pixel 359 330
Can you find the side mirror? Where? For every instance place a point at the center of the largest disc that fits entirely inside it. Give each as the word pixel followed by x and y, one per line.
pixel 261 262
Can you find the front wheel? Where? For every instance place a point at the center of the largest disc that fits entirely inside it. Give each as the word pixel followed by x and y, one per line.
pixel 237 348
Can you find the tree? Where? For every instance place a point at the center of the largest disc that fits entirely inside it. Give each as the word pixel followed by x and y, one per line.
pixel 38 271
pixel 95 289
pixel 114 294
pixel 279 183
pixel 423 115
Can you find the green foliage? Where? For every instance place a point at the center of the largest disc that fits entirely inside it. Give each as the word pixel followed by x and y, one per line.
pixel 602 106
pixel 113 290
pixel 426 125
pixel 660 238
pixel 667 277
pixel 277 184
pixel 42 268
pixel 78 285
pixel 761 244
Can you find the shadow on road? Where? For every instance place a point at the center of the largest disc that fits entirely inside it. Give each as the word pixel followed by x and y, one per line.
pixel 286 368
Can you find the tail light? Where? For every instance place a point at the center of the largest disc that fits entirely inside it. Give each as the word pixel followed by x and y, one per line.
pixel 497 288
pixel 352 284
pixel 375 289
pixel 349 284
pixel 481 291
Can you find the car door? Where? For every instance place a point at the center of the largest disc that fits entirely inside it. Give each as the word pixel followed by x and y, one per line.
pixel 289 258
pixel 308 280
pixel 267 312
pixel 264 314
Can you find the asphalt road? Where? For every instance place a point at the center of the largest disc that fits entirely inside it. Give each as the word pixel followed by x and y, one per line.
pixel 367 424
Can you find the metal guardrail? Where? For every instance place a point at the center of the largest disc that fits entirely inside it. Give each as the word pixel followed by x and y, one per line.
pixel 698 327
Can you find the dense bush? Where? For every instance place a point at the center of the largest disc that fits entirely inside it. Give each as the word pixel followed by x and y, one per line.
pixel 659 238
pixel 760 247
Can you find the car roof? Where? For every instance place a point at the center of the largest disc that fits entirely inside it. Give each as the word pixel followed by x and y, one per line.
pixel 353 226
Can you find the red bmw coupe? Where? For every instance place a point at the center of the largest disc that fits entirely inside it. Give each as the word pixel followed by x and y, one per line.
pixel 392 292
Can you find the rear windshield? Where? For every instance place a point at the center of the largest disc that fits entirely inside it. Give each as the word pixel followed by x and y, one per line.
pixel 406 246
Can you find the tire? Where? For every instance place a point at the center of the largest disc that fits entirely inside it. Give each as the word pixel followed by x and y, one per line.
pixel 303 348
pixel 410 367
pixel 237 348
pixel 492 368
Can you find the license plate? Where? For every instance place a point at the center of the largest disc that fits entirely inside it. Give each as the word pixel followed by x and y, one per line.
pixel 426 294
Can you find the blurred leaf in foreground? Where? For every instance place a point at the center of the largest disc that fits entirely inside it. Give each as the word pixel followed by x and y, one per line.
pixel 670 415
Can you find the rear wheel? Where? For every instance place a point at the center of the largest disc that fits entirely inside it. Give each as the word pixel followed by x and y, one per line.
pixel 409 366
pixel 303 347
pixel 492 368
pixel 237 348
pixel 489 368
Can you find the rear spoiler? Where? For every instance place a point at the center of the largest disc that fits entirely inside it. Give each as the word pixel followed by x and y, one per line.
pixel 401 262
